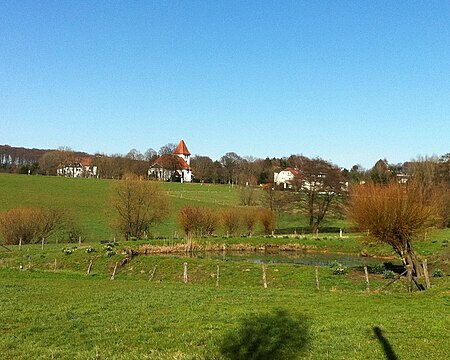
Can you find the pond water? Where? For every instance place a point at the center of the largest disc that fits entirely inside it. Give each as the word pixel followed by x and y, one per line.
pixel 289 257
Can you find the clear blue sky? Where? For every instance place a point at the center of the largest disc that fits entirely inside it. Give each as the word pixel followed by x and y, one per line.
pixel 349 81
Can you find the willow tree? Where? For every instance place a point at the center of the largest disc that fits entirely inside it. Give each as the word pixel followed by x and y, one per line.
pixel 395 214
pixel 138 204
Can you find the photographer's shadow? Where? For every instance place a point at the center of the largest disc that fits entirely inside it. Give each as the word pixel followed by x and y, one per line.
pixel 273 336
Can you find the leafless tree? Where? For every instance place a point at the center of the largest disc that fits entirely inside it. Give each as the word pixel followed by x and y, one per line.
pixel 134 154
pixel 231 163
pixel 203 168
pixel 394 214
pixel 138 205
pixel 167 149
pixel 150 155
pixel 320 185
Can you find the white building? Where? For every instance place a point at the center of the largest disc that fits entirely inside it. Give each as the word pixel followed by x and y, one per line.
pixel 175 166
pixel 285 177
pixel 79 168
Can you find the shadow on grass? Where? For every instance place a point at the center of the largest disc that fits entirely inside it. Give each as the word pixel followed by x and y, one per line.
pixel 270 336
pixel 387 348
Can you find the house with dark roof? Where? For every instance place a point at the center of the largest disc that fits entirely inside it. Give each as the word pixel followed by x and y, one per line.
pixel 173 167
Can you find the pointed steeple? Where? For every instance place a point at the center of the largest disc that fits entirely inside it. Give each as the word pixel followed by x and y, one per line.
pixel 182 149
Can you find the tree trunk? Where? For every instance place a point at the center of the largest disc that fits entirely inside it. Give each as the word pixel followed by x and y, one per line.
pixel 409 257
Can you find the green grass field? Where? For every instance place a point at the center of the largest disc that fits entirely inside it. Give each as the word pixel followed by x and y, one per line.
pixel 64 314
pixel 87 200
pixel 50 308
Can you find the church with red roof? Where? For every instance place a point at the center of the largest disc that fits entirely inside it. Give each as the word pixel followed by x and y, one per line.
pixel 173 167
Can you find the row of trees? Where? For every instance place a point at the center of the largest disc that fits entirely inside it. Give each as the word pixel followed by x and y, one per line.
pixel 140 204
pixel 230 168
pixel 201 221
pixel 32 224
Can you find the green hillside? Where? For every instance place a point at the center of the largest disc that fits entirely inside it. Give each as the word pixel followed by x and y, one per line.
pixel 87 199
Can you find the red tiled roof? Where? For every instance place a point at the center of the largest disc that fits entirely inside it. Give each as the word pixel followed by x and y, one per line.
pixel 294 172
pixel 182 149
pixel 170 162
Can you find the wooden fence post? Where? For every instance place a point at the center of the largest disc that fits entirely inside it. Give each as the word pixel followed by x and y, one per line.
pixel 427 276
pixel 409 275
pixel 264 279
pixel 20 243
pixel 79 240
pixel 152 276
pixel 89 267
pixel 217 275
pixel 54 269
pixel 42 247
pixel 114 271
pixel 317 278
pixel 185 273
pixel 340 233
pixel 366 273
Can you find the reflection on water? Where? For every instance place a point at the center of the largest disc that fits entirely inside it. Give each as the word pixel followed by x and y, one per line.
pixel 287 257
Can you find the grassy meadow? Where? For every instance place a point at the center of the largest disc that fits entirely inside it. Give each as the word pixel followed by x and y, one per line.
pixel 88 200
pixel 50 308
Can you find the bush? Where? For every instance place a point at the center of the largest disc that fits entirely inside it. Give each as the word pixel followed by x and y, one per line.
pixel 231 220
pixel 268 220
pixel 248 195
pixel 198 221
pixel 139 204
pixel 29 224
pixel 249 219
pixel 67 251
pixel 377 269
pixel 338 268
pixel 388 274
pixel 437 273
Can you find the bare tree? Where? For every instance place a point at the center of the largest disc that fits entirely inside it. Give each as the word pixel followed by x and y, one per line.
pixel 134 154
pixel 138 204
pixel 275 199
pixel 167 149
pixel 248 195
pixel 203 168
pixel 150 155
pixel 394 214
pixel 382 172
pixel 231 163
pixel 320 184
pixel 30 224
pixel 52 160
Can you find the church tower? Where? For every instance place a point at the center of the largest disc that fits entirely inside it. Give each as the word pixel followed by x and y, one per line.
pixel 183 152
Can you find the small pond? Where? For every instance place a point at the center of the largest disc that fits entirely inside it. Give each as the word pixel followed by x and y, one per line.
pixel 289 257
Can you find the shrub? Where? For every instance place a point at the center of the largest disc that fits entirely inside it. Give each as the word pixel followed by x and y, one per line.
pixel 388 274
pixel 29 224
pixel 437 273
pixel 377 269
pixel 248 195
pixel 338 268
pixel 67 251
pixel 198 221
pixel 231 220
pixel 249 219
pixel 268 220
pixel 139 204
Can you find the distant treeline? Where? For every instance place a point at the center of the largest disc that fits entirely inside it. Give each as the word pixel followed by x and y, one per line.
pixel 230 168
